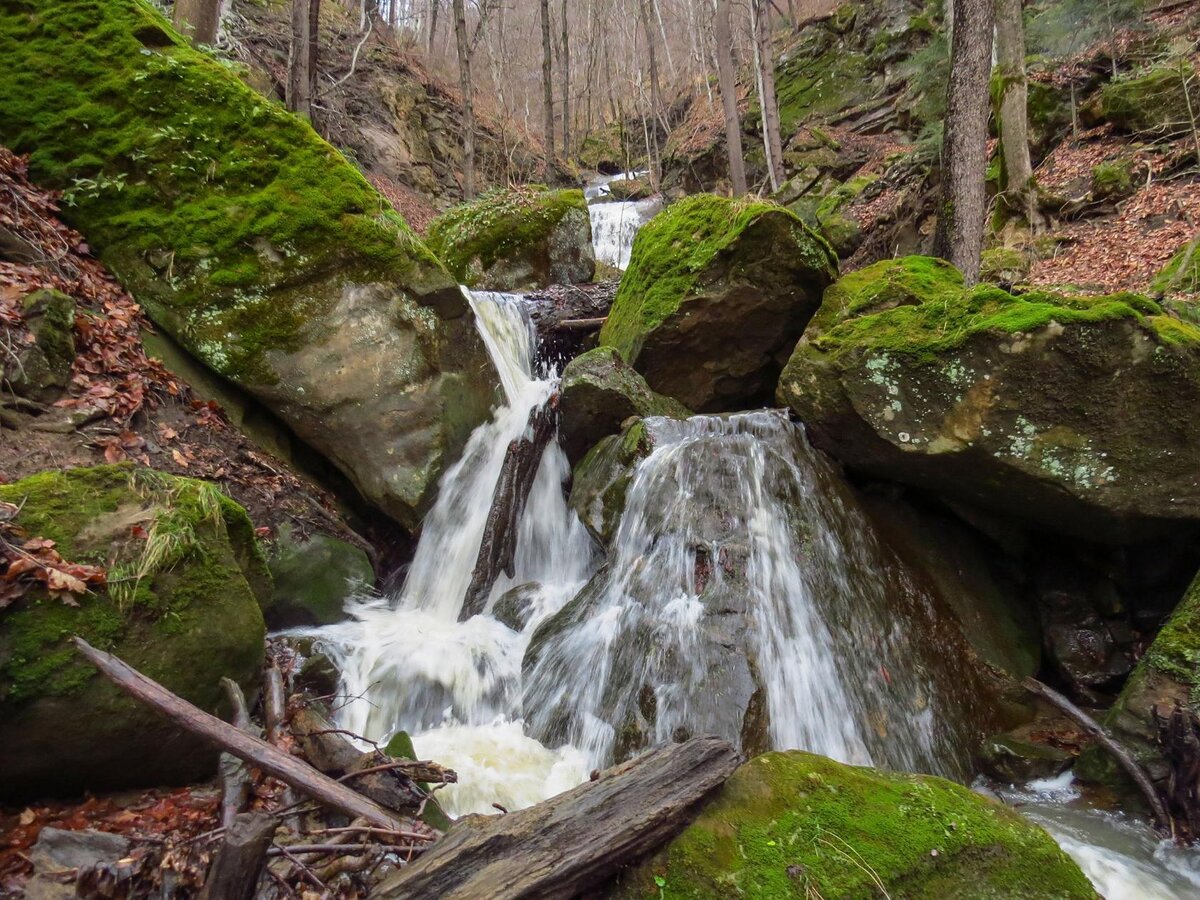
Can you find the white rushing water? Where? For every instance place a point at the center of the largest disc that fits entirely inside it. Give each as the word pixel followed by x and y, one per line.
pixel 616 223
pixel 1122 857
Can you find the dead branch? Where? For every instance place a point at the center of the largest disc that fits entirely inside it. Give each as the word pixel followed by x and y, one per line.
pixel 235 777
pixel 239 861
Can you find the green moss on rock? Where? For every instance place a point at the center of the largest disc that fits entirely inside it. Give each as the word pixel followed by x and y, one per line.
pixel 707 268
pixel 313 578
pixel 1149 101
pixel 1113 180
pixel 796 825
pixel 1182 274
pixel 516 238
pixel 178 607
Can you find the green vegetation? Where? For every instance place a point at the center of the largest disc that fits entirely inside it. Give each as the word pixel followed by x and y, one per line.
pixel 918 306
pixel 1005 264
pixel 1113 180
pixel 796 825
pixel 675 247
pixel 1182 274
pixel 504 223
pixel 1150 101
pixel 214 206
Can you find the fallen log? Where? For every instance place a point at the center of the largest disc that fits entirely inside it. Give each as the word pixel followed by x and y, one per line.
pixel 498 548
pixel 244 746
pixel 239 861
pixel 575 841
pixel 1105 740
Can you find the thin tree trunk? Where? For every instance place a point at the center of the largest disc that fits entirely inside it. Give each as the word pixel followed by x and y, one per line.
pixel 468 111
pixel 1014 121
pixel 964 149
pixel 198 20
pixel 547 88
pixel 765 64
pixel 726 78
pixel 434 6
pixel 302 56
pixel 565 76
pixel 655 96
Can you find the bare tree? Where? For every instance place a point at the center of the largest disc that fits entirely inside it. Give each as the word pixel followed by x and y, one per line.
pixel 302 56
pixel 547 87
pixel 651 122
pixel 468 101
pixel 964 149
pixel 434 6
pixel 1020 190
pixel 565 75
pixel 728 84
pixel 764 64
pixel 198 20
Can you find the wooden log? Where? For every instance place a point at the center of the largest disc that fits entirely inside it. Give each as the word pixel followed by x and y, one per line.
pixel 1119 753
pixel 580 324
pixel 235 870
pixel 573 842
pixel 498 548
pixel 274 703
pixel 235 777
pixel 244 746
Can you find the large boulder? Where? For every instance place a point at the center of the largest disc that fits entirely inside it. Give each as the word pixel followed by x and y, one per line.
pixel 517 239
pixel 715 296
pixel 253 242
pixel 1059 410
pixel 41 370
pixel 600 481
pixel 313 577
pixel 599 392
pixel 796 825
pixel 184 570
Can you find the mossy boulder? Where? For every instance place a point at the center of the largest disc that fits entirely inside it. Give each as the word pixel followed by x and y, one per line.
pixel 313 577
pixel 1182 276
pixel 42 370
pixel 1168 673
pixel 517 239
pixel 1003 265
pixel 181 607
pixel 601 479
pixel 792 824
pixel 715 296
pixel 1056 409
pixel 599 392
pixel 1113 180
pixel 1151 101
pixel 249 239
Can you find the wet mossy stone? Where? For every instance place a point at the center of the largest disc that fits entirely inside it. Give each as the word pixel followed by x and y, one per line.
pixel 1152 101
pixel 601 479
pixel 791 824
pixel 313 578
pixel 1056 409
pixel 249 239
pixel 599 392
pixel 42 370
pixel 191 619
pixel 716 294
pixel 1012 760
pixel 1168 673
pixel 517 239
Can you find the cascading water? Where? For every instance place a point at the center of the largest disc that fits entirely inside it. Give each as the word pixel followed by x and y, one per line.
pixel 615 223
pixel 742 586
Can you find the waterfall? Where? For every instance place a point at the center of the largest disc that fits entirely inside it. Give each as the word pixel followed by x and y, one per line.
pixel 736 533
pixel 615 223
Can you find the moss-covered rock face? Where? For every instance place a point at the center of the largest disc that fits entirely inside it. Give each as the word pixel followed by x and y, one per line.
pixel 517 239
pixel 1167 674
pixel 313 578
pixel 249 239
pixel 599 392
pixel 1056 409
pixel 180 607
pixel 796 825
pixel 716 293
pixel 1151 101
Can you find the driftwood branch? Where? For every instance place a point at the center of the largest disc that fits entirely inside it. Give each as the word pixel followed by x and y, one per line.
pixel 498 548
pixel 1119 753
pixel 235 777
pixel 239 862
pixel 246 747
pixel 575 841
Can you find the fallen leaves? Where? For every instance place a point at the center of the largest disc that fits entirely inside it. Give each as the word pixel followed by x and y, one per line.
pixel 28 562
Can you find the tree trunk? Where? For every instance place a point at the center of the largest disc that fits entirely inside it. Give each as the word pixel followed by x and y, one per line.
pixel 765 64
pixel 1014 122
pixel 302 56
pixel 655 96
pixel 239 861
pixel 434 6
pixel 728 84
pixel 547 88
pixel 464 84
pixel 964 149
pixel 198 20
pixel 565 77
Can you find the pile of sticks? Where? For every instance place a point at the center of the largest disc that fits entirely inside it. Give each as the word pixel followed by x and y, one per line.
pixel 343 819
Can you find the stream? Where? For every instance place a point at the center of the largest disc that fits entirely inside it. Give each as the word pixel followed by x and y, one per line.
pixel 721 508
pixel 614 223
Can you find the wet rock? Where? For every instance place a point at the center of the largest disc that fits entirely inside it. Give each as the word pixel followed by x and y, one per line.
pixel 770 828
pixel 185 614
pixel 59 855
pixel 269 258
pixel 517 239
pixel 1011 760
pixel 715 296
pixel 599 392
pixel 515 606
pixel 1053 409
pixel 313 577
pixel 601 479
pixel 41 371
pixel 1086 639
